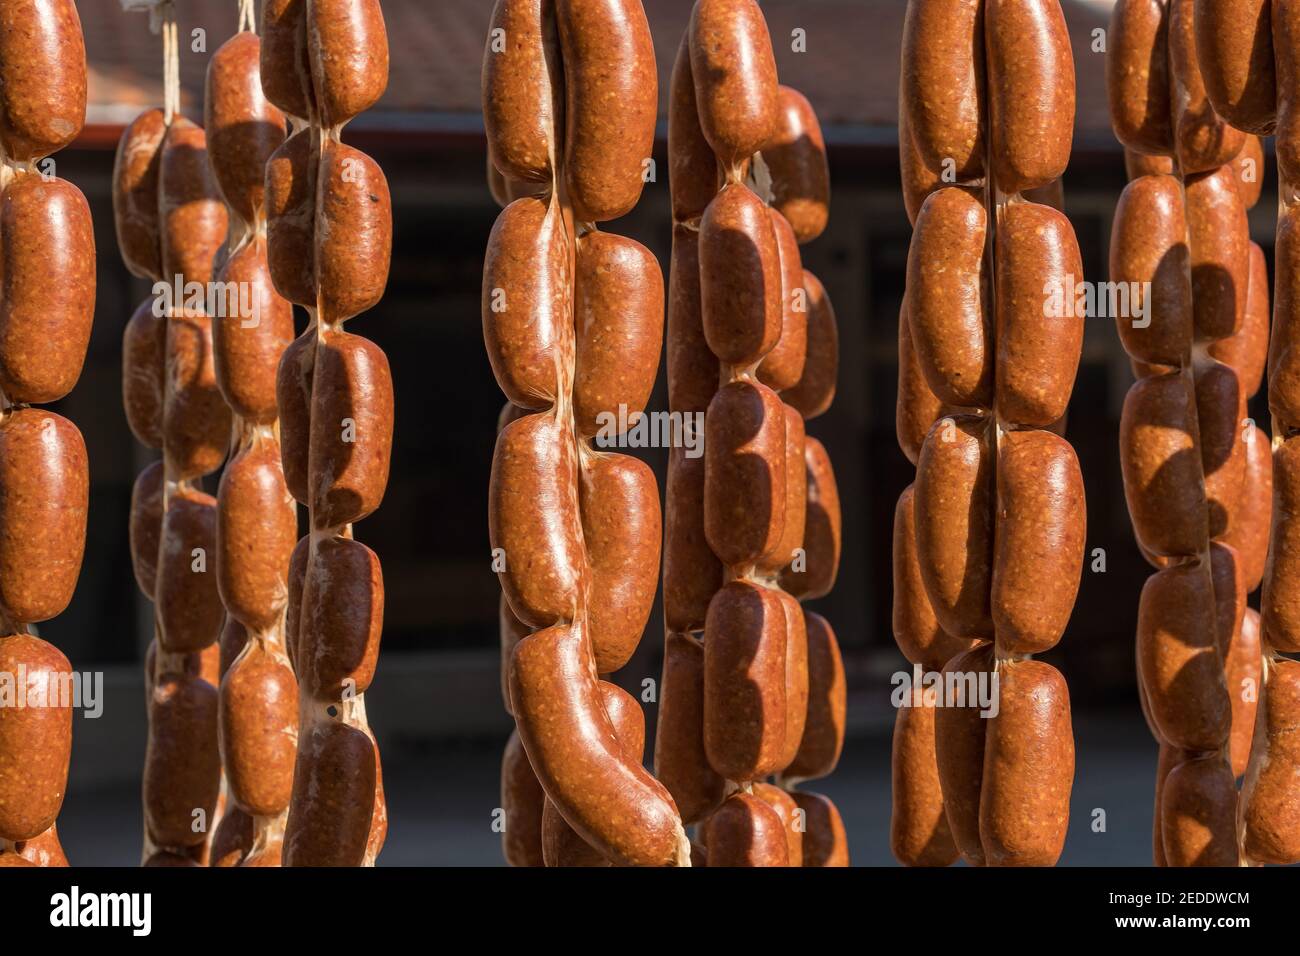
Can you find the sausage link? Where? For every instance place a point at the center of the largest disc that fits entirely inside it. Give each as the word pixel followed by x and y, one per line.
pixel 35 736
pixel 342 619
pixel 47 287
pixel 522 802
pixel 954 518
pixel 259 731
pixel 736 89
pixel 293 387
pixel 44 497
pixel 619 503
pixel 244 129
pixel 250 334
pixel 612 803
pixel 192 218
pixel 334 785
pixel 1229 583
pixel 788 813
pixel 1038 348
pixel 1198 810
pixel 822 529
pixel 746 831
pixel 1148 253
pixel 42 78
pixel 692 165
pixel 1248 171
pixel 146 526
pixel 1244 672
pixel 942 83
pixel 822 740
pixel 1202 139
pixel 1286 60
pixel 797 506
pixel 286 70
pixel 1249 531
pixel 1246 350
pixel 521 89
pixel 351 430
pixel 744 472
pixel 1234 47
pixel 608 59
pixel 1137 77
pixel 692 369
pixel 144 357
pixel 290 191
pixel 619 320
pixel 813 393
pixel 946 290
pixel 1220 416
pixel 1220 244
pixel 182 768
pixel 782 367
pixel 196 419
pixel 1283 351
pixel 135 194
pixel 740 277
pixel 1280 600
pixel 233 840
pixel 354 233
pixel 1028 767
pixel 959 735
pixel 745 681
pixel 526 302
pixel 347 47
pixel 692 572
pixel 43 850
pixel 189 605
pixel 918 825
pixel 797 681
pixel 1159 456
pixel 1030 92
pixel 917 408
pixel 1038 541
pixel 1270 803
pixel 1179 661
pixel 824 841
pixel 680 760
pixel 796 158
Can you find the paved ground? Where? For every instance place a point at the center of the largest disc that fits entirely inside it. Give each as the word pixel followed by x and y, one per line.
pixel 441 800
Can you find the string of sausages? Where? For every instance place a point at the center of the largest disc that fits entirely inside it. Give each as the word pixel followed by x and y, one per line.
pixel 1195 468
pixel 256 516
pixel 1249 52
pixel 572 322
pixel 328 247
pixel 47 299
pixel 171 223
pixel 992 532
pixel 753 526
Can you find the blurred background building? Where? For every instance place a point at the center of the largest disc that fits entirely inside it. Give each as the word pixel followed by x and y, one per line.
pixel 435 704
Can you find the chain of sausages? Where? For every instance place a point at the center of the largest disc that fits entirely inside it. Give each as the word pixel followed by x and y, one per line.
pixel 1249 51
pixel 753 525
pixel 47 299
pixel 256 515
pixel 1196 471
pixel 572 322
pixel 171 224
pixel 328 248
pixel 989 541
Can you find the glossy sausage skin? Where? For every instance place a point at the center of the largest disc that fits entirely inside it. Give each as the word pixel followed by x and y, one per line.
pixel 290 191
pixel 1039 541
pixel 1198 813
pixel 740 277
pixel 347 46
pixel 293 382
pixel 1246 350
pixel 47 288
pixel 1179 661
pixel 259 731
pixel 1286 52
pixel 608 59
pixel 192 217
pixel 796 158
pixel 943 50
pixel 44 497
pixel 744 472
pixel 342 620
pixel 1028 767
pixel 1030 92
pixel 1038 343
pixel 946 298
pixel 782 367
pixel 196 419
pixel 1234 47
pixel 918 825
pixel 917 407
pixel 825 844
pixel 189 604
pixel 522 801
pixel 135 194
pixel 35 738
pixel 745 681
pixel 619 499
pixel 244 129
pixel 791 819
pixel 613 803
pixel 954 518
pixel 692 572
pixel 1283 347
pixel 619 320
pixel 354 233
pixel 250 334
pixel 334 787
pixel 1249 532
pixel 42 78
pixel 796 494
pixel 824 725
pixel 182 769
pixel 526 302
pixel 1280 601
pixel 534 485
pixel 692 165
pixel 146 526
pixel 692 368
pixel 351 430
pixel 959 733
pixel 736 90
pixel 1148 247
pixel 813 393
pixel 680 761
pixel 1243 669
pixel 286 71
pixel 144 349
pixel 1202 139
pixel 1220 244
pixel 520 89
pixel 1270 802
pixel 821 528
pixel 797 679
pixel 1137 76
pixel 1221 422
pixel 1160 458
pixel 746 831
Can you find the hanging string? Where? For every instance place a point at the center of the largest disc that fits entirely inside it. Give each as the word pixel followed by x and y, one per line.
pixel 247 16
pixel 171 62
